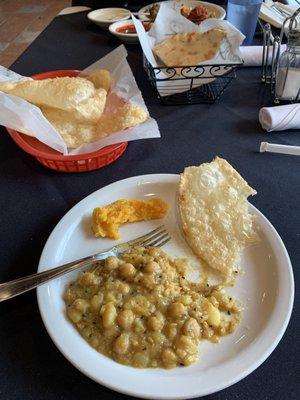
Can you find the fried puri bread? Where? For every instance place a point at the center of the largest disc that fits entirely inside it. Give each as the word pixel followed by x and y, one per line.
pixel 190 48
pixel 101 78
pixel 76 133
pixel 215 214
pixel 75 106
pixel 67 93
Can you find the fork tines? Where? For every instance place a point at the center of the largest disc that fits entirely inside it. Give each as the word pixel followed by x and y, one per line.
pixel 158 237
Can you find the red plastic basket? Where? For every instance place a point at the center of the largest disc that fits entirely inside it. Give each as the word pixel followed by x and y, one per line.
pixel 55 160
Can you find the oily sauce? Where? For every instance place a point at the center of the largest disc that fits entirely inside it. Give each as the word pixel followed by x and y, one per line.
pixel 130 28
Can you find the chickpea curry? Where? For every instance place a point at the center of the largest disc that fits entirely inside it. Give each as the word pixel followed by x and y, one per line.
pixel 141 310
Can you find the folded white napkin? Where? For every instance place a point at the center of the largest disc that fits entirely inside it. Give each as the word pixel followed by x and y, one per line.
pixel 272 17
pixel 252 55
pixel 268 12
pixel 280 118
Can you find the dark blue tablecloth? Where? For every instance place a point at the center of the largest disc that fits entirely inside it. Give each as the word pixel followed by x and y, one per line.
pixel 33 199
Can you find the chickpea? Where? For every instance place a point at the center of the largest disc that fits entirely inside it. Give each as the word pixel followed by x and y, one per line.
pixel 154 252
pixel 96 302
pixel 158 338
pixel 141 306
pixel 176 310
pixel 81 305
pixel 109 297
pixel 170 331
pixel 148 281
pixel 125 319
pixel 190 359
pixel 152 267
pixel 74 315
pixel 111 332
pixel 109 314
pixel 88 279
pixel 140 360
pixel 123 288
pixel 191 328
pixel 122 343
pixel 181 353
pixel 160 316
pixel 126 270
pixel 111 263
pixel 186 344
pixel 169 358
pixel 155 324
pixel 138 326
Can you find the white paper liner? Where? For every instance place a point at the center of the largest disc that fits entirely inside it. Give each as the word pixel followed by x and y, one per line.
pixel 168 22
pixel 18 114
pixel 8 75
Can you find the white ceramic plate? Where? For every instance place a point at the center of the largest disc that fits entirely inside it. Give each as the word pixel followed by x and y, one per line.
pixel 266 290
pixel 220 12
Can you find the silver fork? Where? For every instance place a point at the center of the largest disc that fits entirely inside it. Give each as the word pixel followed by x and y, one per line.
pixel 157 238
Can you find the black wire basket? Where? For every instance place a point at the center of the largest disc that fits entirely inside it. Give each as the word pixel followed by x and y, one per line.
pixel 193 84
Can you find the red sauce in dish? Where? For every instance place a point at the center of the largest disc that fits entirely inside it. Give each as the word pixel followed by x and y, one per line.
pixel 130 28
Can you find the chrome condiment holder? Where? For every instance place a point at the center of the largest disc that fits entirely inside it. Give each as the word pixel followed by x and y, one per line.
pixel 272 55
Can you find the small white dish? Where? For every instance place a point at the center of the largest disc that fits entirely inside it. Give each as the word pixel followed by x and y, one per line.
pixel 125 37
pixel 104 17
pixel 266 290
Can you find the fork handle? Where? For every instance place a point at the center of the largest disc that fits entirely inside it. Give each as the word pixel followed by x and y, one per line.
pixel 21 285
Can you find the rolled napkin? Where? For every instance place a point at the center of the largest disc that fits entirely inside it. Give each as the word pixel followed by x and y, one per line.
pixel 252 55
pixel 280 118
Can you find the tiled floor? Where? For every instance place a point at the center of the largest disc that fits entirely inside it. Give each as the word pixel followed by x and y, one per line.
pixel 21 21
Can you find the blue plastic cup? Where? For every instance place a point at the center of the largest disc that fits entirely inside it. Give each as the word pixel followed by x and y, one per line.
pixel 243 14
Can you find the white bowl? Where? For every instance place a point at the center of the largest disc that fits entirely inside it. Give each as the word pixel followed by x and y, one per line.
pixel 125 37
pixel 104 16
